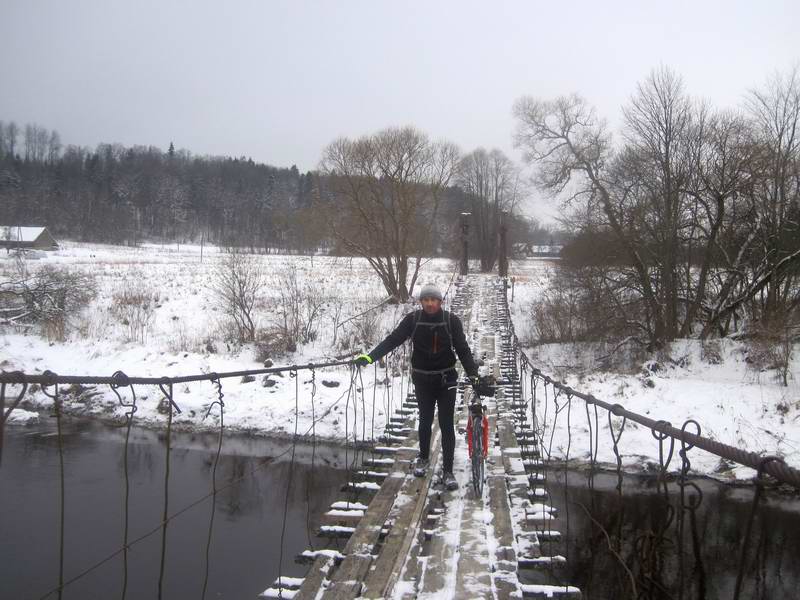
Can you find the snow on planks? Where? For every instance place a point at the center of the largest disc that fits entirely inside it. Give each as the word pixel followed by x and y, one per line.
pixel 416 540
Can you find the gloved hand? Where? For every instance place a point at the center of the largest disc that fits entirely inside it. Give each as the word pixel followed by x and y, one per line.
pixel 483 386
pixel 362 360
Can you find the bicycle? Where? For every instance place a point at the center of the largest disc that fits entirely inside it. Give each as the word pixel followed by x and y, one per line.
pixel 478 434
pixel 478 443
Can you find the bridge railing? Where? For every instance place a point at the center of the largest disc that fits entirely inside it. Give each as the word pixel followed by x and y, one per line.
pixel 641 561
pixel 772 465
pixel 360 439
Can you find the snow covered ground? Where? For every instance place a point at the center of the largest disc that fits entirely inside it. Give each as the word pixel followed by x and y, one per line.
pixel 733 403
pixel 186 336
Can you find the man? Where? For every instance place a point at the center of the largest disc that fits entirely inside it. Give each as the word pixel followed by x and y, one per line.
pixel 434 334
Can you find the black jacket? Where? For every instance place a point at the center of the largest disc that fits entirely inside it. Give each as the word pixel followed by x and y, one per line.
pixel 433 338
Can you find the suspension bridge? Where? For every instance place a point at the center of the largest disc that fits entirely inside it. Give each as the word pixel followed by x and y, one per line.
pixel 393 535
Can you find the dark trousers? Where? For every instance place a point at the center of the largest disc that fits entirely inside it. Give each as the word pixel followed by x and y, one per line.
pixel 433 390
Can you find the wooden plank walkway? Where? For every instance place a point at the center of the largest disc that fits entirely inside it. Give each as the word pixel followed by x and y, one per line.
pixel 418 540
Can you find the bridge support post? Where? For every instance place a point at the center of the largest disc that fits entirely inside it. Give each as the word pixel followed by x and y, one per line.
pixel 465 242
pixel 503 259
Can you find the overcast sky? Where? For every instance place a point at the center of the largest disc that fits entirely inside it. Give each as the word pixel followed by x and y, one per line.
pixel 277 81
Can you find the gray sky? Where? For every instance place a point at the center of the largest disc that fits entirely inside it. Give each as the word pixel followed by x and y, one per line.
pixel 277 81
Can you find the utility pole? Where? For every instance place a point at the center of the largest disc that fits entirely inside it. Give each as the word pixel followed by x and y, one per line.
pixel 465 242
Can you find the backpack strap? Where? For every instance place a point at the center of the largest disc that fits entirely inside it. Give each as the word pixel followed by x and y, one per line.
pixel 445 321
pixel 417 317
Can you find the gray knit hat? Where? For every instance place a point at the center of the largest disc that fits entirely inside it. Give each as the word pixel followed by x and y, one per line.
pixel 429 290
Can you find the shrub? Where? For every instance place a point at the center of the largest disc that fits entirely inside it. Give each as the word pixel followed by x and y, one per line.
pixel 236 284
pixel 272 342
pixel 51 297
pixel 300 307
pixel 771 345
pixel 134 309
pixel 579 305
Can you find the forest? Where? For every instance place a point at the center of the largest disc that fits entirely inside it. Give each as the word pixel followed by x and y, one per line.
pixel 126 195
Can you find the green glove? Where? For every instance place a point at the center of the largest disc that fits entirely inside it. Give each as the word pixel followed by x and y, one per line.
pixel 483 386
pixel 362 360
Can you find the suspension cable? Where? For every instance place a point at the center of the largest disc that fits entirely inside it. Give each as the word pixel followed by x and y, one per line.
pixel 219 401
pixel 48 378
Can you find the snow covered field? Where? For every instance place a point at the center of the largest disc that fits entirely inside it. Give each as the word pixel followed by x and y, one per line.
pixel 733 403
pixel 186 336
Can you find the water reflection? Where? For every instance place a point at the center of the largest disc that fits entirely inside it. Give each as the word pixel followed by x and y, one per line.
pixel 640 544
pixel 253 475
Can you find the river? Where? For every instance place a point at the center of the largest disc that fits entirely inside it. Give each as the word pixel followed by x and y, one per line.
pixel 244 556
pixel 244 553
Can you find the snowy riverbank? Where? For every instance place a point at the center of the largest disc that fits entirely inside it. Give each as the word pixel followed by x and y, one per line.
pixel 733 403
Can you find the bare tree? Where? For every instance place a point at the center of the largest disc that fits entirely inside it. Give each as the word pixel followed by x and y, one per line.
pixel 12 132
pixel 492 182
pixel 390 184
pixel 572 149
pixel 775 110
pixel 762 257
pixel 720 216
pixel 36 139
pixel 53 147
pixel 664 194
pixel 237 283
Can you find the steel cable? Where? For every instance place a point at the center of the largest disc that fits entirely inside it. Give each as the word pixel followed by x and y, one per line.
pixel 19 378
pixel 170 404
pixel 310 481
pixel 126 508
pixel 5 413
pixel 291 476
pixel 50 376
pixel 232 482
pixel 218 384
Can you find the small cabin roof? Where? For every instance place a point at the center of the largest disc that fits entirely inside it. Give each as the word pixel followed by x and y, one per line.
pixel 20 234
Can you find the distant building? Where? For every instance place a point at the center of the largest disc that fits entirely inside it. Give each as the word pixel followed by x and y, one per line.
pixel 526 250
pixel 26 237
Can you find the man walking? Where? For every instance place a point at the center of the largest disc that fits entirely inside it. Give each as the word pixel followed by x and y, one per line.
pixel 435 334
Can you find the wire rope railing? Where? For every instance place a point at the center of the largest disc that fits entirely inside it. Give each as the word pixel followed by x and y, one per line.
pixel 358 436
pixel 642 563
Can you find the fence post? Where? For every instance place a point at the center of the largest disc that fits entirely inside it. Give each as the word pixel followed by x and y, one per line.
pixel 465 242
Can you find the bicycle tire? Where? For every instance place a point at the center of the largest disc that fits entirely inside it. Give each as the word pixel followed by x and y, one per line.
pixel 477 457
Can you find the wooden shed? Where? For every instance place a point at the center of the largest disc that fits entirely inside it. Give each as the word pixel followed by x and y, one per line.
pixel 12 236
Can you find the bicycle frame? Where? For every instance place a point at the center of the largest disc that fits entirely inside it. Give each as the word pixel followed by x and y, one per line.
pixel 477 411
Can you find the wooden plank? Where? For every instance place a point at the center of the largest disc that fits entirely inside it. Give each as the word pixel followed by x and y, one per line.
pixel 473 570
pixel 315 578
pixel 347 581
pixel 505 573
pixel 358 550
pixel 405 529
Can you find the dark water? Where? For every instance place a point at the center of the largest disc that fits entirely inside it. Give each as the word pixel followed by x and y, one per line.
pixel 647 523
pixel 244 553
pixel 245 545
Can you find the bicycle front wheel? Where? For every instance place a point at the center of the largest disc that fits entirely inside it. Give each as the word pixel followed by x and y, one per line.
pixel 477 457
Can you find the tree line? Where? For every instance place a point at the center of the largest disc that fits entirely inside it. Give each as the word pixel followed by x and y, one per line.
pixel 688 222
pixel 123 195
pixel 381 197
